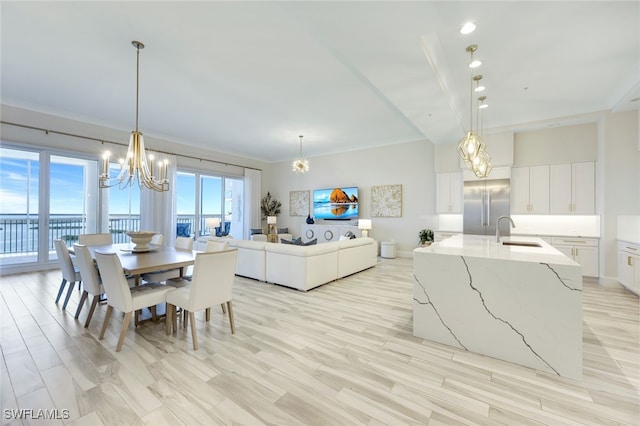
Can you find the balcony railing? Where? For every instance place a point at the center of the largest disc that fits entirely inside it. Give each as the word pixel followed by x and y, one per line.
pixel 20 233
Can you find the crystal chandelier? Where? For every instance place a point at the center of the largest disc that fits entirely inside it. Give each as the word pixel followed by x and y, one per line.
pixel 136 166
pixel 301 164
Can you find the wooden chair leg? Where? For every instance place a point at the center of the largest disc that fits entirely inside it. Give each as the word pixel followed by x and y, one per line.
pixel 169 318
pixel 154 313
pixel 94 303
pixel 83 298
pixel 192 317
pixel 66 299
pixel 233 326
pixel 175 318
pixel 207 313
pixel 62 284
pixel 224 309
pixel 123 332
pixel 185 318
pixel 106 321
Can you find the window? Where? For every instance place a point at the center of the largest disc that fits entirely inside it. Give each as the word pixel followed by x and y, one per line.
pixel 217 197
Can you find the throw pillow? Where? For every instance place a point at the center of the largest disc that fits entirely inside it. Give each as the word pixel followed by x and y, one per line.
pixel 256 231
pixel 295 241
pixel 283 230
pixel 311 242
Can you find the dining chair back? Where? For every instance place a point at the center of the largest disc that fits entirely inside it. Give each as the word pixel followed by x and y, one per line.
pixel 184 243
pixel 90 280
pixel 70 274
pixel 95 239
pixel 157 239
pixel 181 243
pixel 216 246
pixel 211 284
pixel 123 298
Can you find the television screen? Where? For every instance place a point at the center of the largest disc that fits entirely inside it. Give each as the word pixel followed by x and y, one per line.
pixel 335 203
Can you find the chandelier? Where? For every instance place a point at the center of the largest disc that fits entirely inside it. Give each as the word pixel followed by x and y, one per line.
pixel 300 164
pixel 136 166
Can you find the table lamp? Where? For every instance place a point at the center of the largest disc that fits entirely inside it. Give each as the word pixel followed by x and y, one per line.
pixel 365 225
pixel 272 231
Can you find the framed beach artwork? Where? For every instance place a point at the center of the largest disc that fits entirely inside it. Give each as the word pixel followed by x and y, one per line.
pixel 386 201
pixel 298 203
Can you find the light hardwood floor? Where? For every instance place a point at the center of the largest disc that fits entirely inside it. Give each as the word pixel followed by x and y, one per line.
pixel 341 354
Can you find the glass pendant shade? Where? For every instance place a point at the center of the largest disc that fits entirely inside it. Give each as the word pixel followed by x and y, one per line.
pixel 481 165
pixel 471 146
pixel 300 164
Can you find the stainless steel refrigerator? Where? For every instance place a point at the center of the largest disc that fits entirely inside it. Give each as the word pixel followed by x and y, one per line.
pixel 484 202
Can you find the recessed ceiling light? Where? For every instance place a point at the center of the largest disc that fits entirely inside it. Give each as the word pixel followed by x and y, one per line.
pixel 468 28
pixel 475 63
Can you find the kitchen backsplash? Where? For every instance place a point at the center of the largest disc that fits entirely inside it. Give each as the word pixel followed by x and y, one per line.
pixel 565 225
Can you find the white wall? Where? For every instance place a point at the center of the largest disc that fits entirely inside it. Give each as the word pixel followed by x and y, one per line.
pixel 409 164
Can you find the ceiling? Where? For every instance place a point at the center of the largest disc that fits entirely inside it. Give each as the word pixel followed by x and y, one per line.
pixel 247 78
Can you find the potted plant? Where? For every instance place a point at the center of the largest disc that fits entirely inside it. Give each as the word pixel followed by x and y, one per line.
pixel 426 237
pixel 270 206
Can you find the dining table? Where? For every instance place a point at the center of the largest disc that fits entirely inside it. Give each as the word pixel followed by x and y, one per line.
pixel 158 258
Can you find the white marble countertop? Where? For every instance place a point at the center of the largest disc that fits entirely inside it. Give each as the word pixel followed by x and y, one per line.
pixel 486 247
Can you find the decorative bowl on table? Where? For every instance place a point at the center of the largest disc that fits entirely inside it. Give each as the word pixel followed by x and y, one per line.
pixel 141 240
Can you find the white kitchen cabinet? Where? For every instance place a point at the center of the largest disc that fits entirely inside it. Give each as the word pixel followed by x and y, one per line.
pixel 530 190
pixel 629 265
pixel 449 193
pixel 584 251
pixel 573 188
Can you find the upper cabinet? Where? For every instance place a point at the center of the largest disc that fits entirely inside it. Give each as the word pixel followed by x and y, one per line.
pixel 573 188
pixel 530 190
pixel 449 193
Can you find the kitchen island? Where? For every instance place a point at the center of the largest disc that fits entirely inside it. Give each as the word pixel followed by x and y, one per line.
pixel 520 303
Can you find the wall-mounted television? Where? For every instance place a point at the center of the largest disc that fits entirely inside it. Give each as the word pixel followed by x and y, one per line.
pixel 335 203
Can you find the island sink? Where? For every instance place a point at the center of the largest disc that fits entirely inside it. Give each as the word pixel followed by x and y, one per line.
pixel 503 300
pixel 521 243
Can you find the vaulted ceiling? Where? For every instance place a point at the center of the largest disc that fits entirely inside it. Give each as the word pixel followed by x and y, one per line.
pixel 247 78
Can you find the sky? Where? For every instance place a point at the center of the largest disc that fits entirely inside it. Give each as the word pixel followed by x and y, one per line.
pixel 19 179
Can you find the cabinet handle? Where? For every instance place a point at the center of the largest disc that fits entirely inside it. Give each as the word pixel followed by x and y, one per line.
pixel 573 251
pixel 629 261
pixel 632 248
pixel 574 207
pixel 576 251
pixel 569 206
pixel 575 241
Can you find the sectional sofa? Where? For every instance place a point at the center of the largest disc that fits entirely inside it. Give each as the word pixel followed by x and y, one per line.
pixel 304 267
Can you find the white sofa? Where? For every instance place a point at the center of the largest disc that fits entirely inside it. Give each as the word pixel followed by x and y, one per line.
pixel 301 267
pixel 304 267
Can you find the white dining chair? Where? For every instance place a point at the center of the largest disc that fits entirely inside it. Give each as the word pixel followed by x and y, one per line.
pixel 157 239
pixel 95 239
pixel 90 280
pixel 212 284
pixel 70 274
pixel 181 243
pixel 216 246
pixel 123 298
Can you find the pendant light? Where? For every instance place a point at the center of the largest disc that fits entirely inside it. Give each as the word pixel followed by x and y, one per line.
pixel 136 166
pixel 300 164
pixel 471 144
pixel 481 165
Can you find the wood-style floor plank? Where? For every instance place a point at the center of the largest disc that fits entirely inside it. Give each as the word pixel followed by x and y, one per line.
pixel 341 354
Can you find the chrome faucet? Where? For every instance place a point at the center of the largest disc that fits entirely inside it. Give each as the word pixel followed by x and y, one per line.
pixel 513 225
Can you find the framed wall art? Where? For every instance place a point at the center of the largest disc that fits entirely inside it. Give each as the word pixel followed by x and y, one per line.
pixel 386 201
pixel 298 203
